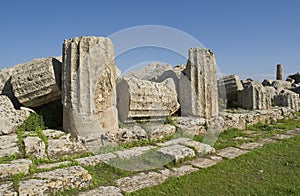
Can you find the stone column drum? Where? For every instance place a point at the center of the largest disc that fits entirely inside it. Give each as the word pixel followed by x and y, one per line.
pixel 279 73
pixel 89 87
pixel 198 85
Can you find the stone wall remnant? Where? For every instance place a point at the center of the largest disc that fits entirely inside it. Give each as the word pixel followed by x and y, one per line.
pixel 228 87
pixel 145 100
pixel 198 85
pixel 89 87
pixel 37 82
pixel 287 98
pixel 254 96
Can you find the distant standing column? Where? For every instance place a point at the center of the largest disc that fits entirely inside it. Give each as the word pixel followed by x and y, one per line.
pixel 279 75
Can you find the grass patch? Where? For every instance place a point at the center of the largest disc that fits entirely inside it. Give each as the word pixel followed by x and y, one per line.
pixel 272 170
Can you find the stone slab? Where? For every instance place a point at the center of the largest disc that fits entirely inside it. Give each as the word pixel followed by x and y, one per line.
pixel 231 152
pixel 97 159
pixel 177 152
pixel 102 191
pixel 250 146
pixel 203 162
pixel 281 136
pixel 8 145
pixel 133 152
pixel 53 165
pixel 20 166
pixel 7 189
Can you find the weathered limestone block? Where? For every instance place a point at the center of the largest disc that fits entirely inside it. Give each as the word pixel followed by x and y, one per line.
pixel 160 131
pixel 34 146
pixel 20 166
pixel 8 145
pixel 37 82
pixel 191 125
pixel 150 72
pixel 198 85
pixel 175 74
pixel 229 86
pixel 254 96
pixel 287 98
pixel 272 92
pixel 49 183
pixel 280 85
pixel 7 189
pixel 102 191
pixel 177 152
pixel 145 100
pixel 10 118
pixel 131 134
pixel 89 87
pixel 97 159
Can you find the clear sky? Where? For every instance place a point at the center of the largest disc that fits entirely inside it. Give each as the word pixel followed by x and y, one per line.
pixel 248 37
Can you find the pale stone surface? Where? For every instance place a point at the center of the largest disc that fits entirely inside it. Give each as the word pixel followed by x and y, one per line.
pixel 97 159
pixel 133 152
pixel 198 85
pixel 174 141
pixel 15 167
pixel 131 134
pixel 266 141
pixel 88 90
pixel 37 82
pixel 231 152
pixel 293 132
pixel 177 152
pixel 201 149
pixel 287 98
pixel 229 86
pixel 10 118
pixel 150 72
pixel 53 134
pixel 254 96
pixel 279 72
pixel 145 100
pixel 160 131
pixel 175 74
pixel 203 162
pixel 63 147
pixel 272 92
pixel 103 191
pixel 250 146
pixel 34 146
pixel 281 85
pixel 51 182
pixel 141 180
pixel 281 136
pixel 7 189
pixel 183 170
pixel 53 165
pixel 8 145
pixel 191 125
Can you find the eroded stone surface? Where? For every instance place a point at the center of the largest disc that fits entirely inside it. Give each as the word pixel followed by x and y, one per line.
pixel 141 180
pixel 250 146
pixel 97 159
pixel 103 191
pixel 198 87
pixel 287 98
pixel 53 165
pixel 229 86
pixel 34 146
pixel 53 134
pixel 266 141
pixel 281 136
pixel 88 90
pixel 174 141
pixel 37 82
pixel 145 100
pixel 7 189
pixel 191 125
pixel 254 96
pixel 177 152
pixel 133 152
pixel 200 148
pixel 183 170
pixel 131 134
pixel 231 152
pixel 15 167
pixel 10 118
pixel 8 145
pixel 293 132
pixel 64 147
pixel 160 131
pixel 47 183
pixel 203 162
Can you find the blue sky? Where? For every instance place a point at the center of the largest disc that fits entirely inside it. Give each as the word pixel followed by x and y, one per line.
pixel 248 37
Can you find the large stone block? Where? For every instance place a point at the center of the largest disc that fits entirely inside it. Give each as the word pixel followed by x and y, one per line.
pixel 229 86
pixel 37 82
pixel 198 85
pixel 254 96
pixel 145 100
pixel 10 118
pixel 89 87
pixel 287 98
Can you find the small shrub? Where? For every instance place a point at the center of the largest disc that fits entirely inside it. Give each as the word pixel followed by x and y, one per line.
pixel 33 122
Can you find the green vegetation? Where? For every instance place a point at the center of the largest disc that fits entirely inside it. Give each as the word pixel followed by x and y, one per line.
pixel 272 170
pixel 296 77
